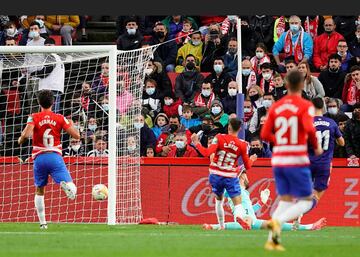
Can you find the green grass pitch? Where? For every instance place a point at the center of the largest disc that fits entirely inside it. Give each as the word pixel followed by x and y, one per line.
pixel 26 240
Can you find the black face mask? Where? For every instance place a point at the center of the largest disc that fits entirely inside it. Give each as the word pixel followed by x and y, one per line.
pixel 206 127
pixel 253 98
pixel 160 34
pixel 190 66
pixel 255 150
pixel 173 128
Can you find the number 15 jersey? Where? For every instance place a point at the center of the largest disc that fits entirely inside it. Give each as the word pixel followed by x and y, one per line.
pixel 289 126
pixel 47 131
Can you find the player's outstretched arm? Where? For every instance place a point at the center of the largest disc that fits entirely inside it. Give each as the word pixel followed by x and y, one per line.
pixel 206 152
pixel 73 132
pixel 26 133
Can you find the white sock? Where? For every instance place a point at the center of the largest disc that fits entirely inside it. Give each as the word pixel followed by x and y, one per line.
pixel 219 209
pixel 295 211
pixel 72 187
pixel 239 211
pixel 40 208
pixel 281 208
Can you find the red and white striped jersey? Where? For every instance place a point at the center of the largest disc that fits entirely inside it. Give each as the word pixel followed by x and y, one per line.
pixel 227 150
pixel 47 131
pixel 289 126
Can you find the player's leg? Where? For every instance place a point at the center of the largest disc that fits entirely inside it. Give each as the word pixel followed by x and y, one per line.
pixel 61 175
pixel 41 179
pixel 217 185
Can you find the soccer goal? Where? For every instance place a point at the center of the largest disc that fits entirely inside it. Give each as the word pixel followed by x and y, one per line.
pixel 99 88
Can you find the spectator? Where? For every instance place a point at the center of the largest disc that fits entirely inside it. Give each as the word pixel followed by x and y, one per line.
pixel 132 147
pixel 10 31
pixel 174 24
pixel 326 45
pixel 87 101
pixel 100 84
pixel 100 148
pixel 140 21
pixel 172 105
pixel 260 148
pixel 265 79
pixel 294 42
pixel 230 58
pixel 340 151
pixel 151 99
pixel 187 117
pixel 195 48
pixel 25 22
pixel 34 35
pixel 261 111
pixel 63 24
pixel 279 87
pixel 160 122
pixel 181 147
pixel 124 99
pixel 333 77
pixel 352 133
pixel 280 26
pixel 155 71
pixel 351 91
pixel 333 110
pixel 248 113
pixel 183 36
pixel 188 83
pixel 262 30
pixel 346 26
pixel 346 57
pixel 259 58
pixel 248 76
pixel 229 101
pixel 219 78
pixel 214 47
pixel 290 64
pixel 313 25
pixel 354 46
pixel 102 112
pixel 76 148
pixel 150 151
pixel 132 38
pixel 312 85
pixel 217 113
pixel 204 131
pixel 167 50
pixel 147 136
pixel 202 100
pixel 255 95
pixel 9 41
pixel 256 133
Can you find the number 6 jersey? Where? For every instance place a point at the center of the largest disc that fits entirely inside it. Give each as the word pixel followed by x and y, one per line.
pixel 47 131
pixel 289 126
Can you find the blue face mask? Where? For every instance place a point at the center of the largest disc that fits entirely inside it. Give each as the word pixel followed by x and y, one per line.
pixel 246 72
pixel 33 34
pixel 218 68
pixel 294 28
pixel 92 127
pixel 180 144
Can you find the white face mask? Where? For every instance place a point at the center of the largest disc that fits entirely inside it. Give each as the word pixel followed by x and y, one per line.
pixel 138 125
pixel 247 110
pixel 259 55
pixel 75 147
pixel 168 101
pixel 196 42
pixel 92 127
pixel 131 148
pixel 148 71
pixel 34 34
pixel 266 76
pixel 267 103
pixel 333 110
pixel 150 90
pixel 180 144
pixel 105 107
pixel 216 110
pixel 131 31
pixel 206 92
pixel 218 68
pixel 232 91
pixel 11 32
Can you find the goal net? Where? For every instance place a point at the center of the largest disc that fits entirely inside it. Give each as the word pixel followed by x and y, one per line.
pixel 100 90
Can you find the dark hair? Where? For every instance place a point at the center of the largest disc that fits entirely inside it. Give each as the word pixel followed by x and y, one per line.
pixel 334 56
pixel 290 59
pixel 256 138
pixel 34 23
pixel 235 124
pixel 187 108
pixel 174 117
pixel 49 40
pixel 190 55
pixel 342 117
pixel 152 81
pixel 131 19
pixel 354 68
pixel 266 65
pixel 342 40
pixel 295 80
pixel 46 98
pixel 318 102
pixel 219 58
pixel 196 32
pixel 262 46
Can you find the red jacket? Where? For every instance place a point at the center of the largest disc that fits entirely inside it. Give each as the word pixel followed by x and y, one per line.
pixel 164 139
pixel 170 110
pixel 350 93
pixel 324 46
pixel 189 152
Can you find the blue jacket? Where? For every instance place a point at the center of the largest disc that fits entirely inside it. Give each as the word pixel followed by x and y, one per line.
pixel 190 123
pixel 307 44
pixel 230 62
pixel 157 131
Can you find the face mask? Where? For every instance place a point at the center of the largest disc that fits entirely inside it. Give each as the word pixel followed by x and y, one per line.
pixel 92 127
pixel 131 148
pixel 232 92
pixel 259 55
pixel 294 28
pixel 160 34
pixel 247 110
pixel 339 53
pixel 41 23
pixel 216 110
pixel 255 150
pixel 333 110
pixel 267 103
pixel 357 22
pixel 173 128
pixel 138 125
pixel 148 71
pixel 232 50
pixel 131 31
pixel 33 34
pixel 246 72
pixel 266 76
pixel 150 90
pixel 180 144
pixel 333 70
pixel 205 92
pixel 168 101
pixel 190 66
pixel 105 107
pixel 218 68
pixel 196 42
pixel 253 98
pixel 75 147
pixel 11 32
pixel 205 127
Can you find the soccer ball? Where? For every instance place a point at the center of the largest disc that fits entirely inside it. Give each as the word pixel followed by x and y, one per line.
pixel 100 192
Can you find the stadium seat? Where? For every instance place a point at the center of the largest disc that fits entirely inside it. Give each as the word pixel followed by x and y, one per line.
pixel 57 39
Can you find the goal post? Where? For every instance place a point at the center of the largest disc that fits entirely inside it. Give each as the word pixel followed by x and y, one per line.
pixel 82 64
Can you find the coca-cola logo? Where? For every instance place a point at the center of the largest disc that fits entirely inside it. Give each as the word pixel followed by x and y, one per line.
pixel 199 199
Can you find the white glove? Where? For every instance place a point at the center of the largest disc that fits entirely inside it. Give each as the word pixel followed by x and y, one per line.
pixel 264 195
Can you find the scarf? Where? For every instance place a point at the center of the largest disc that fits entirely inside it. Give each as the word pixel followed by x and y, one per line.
pixel 251 80
pixel 85 101
pixel 255 63
pixel 353 94
pixel 105 80
pixel 199 100
pixel 271 85
pixel 248 115
pixel 280 27
pixel 289 48
pixel 311 27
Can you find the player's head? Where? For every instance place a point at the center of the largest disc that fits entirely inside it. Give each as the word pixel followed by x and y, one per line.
pixel 295 81
pixel 46 98
pixel 234 125
pixel 318 102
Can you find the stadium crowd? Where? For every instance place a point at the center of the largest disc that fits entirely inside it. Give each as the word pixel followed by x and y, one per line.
pixel 190 84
